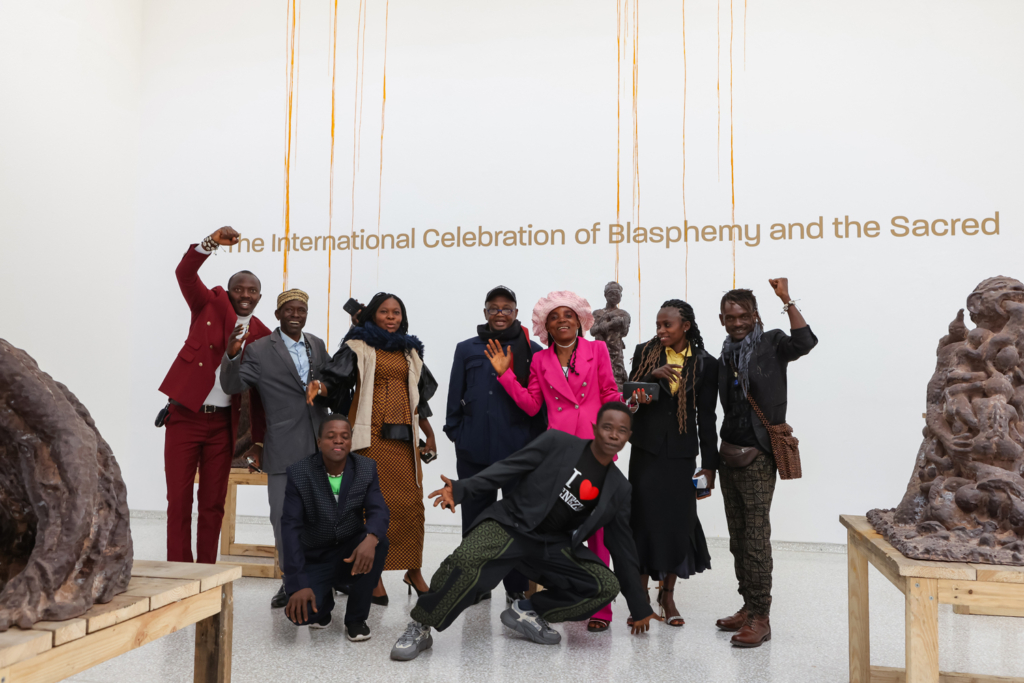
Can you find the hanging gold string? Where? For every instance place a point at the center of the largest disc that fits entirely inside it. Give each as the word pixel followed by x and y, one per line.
pixel 330 211
pixel 383 103
pixel 291 49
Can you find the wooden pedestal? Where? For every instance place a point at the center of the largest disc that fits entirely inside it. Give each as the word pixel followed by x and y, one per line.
pixel 228 547
pixel 162 597
pixel 925 585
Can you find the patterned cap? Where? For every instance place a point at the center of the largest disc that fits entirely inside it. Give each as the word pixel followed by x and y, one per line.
pixel 291 295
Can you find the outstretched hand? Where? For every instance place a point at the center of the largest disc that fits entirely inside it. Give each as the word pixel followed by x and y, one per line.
pixel 445 496
pixel 643 625
pixel 226 236
pixel 501 358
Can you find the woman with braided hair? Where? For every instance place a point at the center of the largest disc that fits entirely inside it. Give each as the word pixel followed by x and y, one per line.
pixel 572 378
pixel 667 436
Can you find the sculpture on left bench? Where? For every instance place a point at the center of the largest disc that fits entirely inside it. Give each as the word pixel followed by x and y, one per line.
pixel 64 537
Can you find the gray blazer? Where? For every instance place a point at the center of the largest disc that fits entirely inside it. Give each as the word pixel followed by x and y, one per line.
pixel 292 426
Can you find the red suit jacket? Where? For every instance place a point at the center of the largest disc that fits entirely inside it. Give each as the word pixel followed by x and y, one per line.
pixel 191 376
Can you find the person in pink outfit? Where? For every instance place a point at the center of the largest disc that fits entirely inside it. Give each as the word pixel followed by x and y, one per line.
pixel 572 378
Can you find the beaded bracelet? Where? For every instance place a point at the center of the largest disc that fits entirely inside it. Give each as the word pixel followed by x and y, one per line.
pixel 209 244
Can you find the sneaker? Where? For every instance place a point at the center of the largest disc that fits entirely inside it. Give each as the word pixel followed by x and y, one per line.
pixel 323 625
pixel 530 624
pixel 511 597
pixel 415 640
pixel 357 631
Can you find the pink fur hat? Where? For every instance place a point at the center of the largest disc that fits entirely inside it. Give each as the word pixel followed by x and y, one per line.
pixel 553 300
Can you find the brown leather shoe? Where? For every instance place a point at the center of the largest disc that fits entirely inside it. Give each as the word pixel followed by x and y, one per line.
pixel 755 631
pixel 735 622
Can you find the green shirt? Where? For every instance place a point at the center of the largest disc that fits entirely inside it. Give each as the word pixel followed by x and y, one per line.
pixel 335 483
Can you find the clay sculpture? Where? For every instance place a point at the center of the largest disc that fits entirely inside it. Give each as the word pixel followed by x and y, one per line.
pixel 64 537
pixel 965 499
pixel 611 324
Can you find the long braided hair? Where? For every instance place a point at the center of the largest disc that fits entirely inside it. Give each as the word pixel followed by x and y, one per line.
pixel 692 367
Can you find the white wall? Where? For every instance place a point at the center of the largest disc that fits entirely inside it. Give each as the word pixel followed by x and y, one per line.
pixel 504 116
pixel 69 114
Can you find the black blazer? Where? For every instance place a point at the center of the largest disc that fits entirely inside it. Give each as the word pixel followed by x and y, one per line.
pixel 767 377
pixel 313 524
pixel 540 468
pixel 656 427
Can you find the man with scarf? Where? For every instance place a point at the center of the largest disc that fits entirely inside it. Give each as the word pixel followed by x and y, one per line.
pixel 483 420
pixel 753 363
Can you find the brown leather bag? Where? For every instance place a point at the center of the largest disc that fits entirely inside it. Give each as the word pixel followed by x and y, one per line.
pixel 736 457
pixel 785 446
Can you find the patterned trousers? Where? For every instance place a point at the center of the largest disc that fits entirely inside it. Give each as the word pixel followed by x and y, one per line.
pixel 747 493
pixel 574 588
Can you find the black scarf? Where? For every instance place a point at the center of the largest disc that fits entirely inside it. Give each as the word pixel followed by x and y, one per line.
pixel 522 352
pixel 382 339
pixel 738 354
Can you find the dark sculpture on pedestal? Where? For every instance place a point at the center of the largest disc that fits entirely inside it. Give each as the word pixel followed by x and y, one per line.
pixel 965 500
pixel 611 324
pixel 64 537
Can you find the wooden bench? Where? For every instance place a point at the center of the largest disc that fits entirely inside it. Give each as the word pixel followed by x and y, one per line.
pixel 925 586
pixel 268 570
pixel 162 597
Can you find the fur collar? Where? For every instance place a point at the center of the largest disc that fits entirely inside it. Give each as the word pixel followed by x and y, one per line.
pixel 384 340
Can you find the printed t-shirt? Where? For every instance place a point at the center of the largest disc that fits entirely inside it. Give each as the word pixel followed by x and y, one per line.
pixel 578 497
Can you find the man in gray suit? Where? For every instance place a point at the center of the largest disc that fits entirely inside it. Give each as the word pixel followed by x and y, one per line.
pixel 280 367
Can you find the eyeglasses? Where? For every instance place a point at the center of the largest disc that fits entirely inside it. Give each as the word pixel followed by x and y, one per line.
pixel 503 311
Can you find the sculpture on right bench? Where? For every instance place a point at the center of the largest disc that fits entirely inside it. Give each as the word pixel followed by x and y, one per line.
pixel 965 499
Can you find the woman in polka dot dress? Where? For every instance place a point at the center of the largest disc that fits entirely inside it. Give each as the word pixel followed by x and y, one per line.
pixel 377 377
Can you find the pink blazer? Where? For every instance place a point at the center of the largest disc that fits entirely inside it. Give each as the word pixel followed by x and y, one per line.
pixel 572 403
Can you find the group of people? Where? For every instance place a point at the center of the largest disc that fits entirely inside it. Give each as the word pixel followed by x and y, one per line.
pixel 533 413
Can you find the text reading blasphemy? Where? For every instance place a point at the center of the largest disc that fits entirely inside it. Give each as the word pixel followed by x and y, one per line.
pixel 617 233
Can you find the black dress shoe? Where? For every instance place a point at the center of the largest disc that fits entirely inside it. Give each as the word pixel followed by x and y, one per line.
pixel 280 599
pixel 481 597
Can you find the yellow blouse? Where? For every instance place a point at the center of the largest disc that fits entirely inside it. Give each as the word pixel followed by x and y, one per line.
pixel 673 358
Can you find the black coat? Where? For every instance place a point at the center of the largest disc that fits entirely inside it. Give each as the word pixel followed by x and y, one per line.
pixel 541 469
pixel 313 524
pixel 767 377
pixel 482 419
pixel 656 427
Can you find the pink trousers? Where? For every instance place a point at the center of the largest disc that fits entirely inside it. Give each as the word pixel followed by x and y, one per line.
pixel 596 544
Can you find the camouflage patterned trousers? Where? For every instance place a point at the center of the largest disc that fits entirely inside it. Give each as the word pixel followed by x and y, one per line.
pixel 747 493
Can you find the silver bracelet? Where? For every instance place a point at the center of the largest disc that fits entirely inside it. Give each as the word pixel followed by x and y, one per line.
pixel 791 302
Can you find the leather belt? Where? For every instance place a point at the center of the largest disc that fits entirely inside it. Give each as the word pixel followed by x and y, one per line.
pixel 204 408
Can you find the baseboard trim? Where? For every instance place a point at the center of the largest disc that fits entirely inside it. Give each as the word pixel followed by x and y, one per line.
pixel 713 541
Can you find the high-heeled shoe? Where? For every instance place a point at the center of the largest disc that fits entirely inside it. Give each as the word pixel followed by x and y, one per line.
pixel 671 621
pixel 381 600
pixel 408 582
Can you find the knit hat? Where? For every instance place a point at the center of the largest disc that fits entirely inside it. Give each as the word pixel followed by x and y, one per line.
pixel 291 295
pixel 579 305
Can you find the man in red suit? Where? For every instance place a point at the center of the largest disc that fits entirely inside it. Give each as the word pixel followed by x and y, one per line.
pixel 203 420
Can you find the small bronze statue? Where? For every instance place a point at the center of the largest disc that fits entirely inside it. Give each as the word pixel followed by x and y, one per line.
pixel 611 324
pixel 965 500
pixel 64 537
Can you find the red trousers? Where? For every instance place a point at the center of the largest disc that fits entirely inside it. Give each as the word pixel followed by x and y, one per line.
pixel 196 441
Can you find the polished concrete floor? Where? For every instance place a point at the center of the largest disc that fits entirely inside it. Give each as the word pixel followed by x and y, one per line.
pixel 808 643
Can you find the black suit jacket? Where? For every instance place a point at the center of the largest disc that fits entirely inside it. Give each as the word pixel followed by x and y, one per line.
pixel 541 468
pixel 767 376
pixel 656 426
pixel 313 524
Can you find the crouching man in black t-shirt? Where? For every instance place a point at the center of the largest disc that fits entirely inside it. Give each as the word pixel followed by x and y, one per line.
pixel 566 488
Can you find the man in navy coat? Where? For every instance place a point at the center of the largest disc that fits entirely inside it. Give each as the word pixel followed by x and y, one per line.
pixel 483 421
